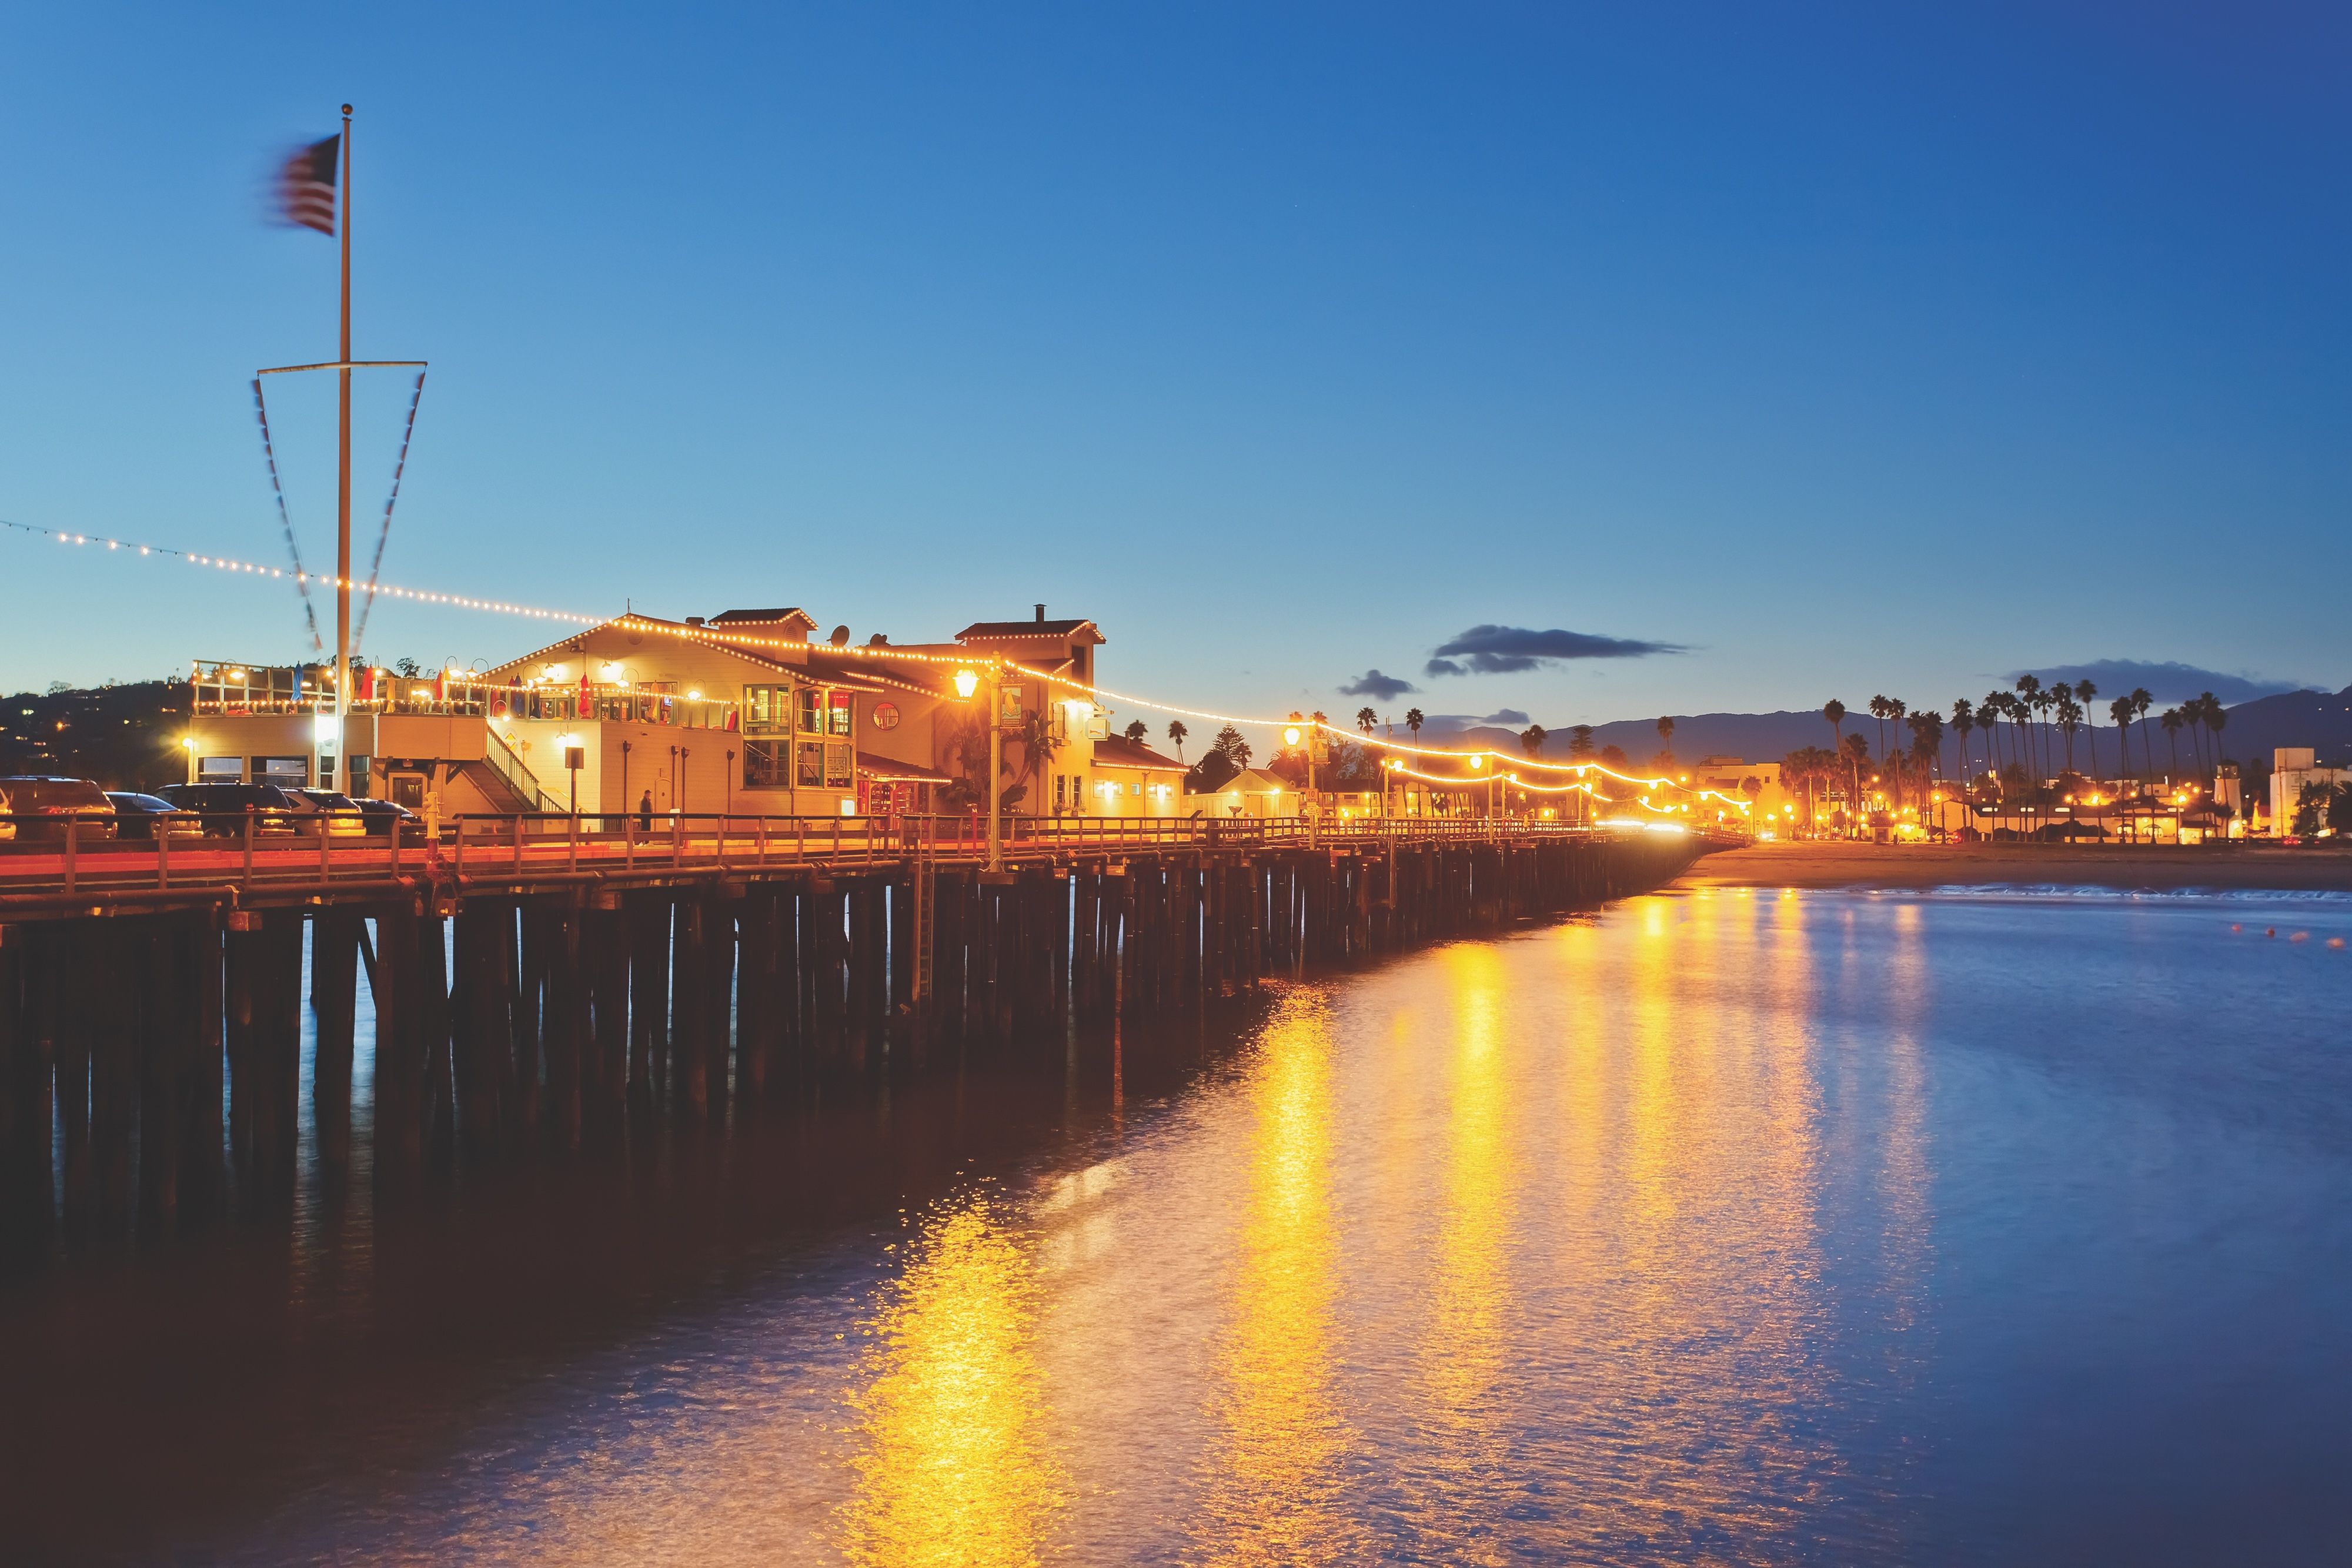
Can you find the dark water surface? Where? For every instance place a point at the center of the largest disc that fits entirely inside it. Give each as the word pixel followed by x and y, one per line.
pixel 1726 1226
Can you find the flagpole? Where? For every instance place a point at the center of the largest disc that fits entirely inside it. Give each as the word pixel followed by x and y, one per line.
pixel 342 782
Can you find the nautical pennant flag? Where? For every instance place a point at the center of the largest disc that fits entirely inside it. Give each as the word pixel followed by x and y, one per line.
pixel 306 186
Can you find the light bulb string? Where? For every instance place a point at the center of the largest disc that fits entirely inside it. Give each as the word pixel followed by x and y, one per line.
pixel 306 578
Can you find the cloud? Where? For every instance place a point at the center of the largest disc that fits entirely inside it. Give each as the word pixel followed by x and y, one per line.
pixel 1372 683
pixel 1451 723
pixel 1499 650
pixel 2167 681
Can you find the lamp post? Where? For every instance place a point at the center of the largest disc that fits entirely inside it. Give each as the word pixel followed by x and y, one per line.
pixel 1291 736
pixel 966 682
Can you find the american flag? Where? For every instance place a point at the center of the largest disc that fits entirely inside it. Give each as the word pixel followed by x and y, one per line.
pixel 306 186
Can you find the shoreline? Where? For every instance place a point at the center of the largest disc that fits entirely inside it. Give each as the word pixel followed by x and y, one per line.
pixel 2154 868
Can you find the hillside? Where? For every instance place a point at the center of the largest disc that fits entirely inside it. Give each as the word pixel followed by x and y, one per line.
pixel 2319 719
pixel 125 737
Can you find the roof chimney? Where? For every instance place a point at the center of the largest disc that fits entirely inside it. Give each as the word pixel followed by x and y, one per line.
pixel 1041 615
pixel 695 621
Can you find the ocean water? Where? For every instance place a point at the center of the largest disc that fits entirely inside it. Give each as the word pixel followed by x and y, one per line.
pixel 1730 1226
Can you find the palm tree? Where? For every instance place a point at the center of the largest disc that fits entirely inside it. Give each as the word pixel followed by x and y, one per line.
pixel 2203 710
pixel 2170 722
pixel 2029 692
pixel 1881 709
pixel 1857 754
pixel 2121 711
pixel 1531 739
pixel 1899 711
pixel 1136 730
pixel 1834 711
pixel 1366 718
pixel 2217 718
pixel 2141 702
pixel 1964 720
pixel 1667 740
pixel 1176 733
pixel 2070 719
pixel 1413 721
pixel 2084 692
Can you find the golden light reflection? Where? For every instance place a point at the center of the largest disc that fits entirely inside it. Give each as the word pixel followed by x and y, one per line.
pixel 955 1465
pixel 1464 1354
pixel 1680 1263
pixel 1273 1495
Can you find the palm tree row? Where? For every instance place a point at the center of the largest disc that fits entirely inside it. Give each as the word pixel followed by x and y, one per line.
pixel 2034 729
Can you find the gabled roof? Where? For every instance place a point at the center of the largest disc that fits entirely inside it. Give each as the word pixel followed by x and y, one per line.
pixel 764 617
pixel 1251 782
pixel 579 637
pixel 1031 631
pixel 1118 751
pixel 877 672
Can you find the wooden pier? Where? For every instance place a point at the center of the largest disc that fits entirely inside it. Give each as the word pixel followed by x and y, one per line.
pixel 537 991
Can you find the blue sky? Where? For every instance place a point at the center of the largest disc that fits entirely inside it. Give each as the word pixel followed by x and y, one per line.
pixel 1835 350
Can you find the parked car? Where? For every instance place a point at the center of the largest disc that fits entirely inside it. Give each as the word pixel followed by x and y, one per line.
pixel 386 817
pixel 344 815
pixel 223 808
pixel 138 816
pixel 40 807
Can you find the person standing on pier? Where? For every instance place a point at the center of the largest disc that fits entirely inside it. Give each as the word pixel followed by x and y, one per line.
pixel 646 812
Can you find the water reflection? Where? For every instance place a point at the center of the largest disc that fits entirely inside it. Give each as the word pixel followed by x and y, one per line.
pixel 1717 1228
pixel 955 1465
pixel 1461 1348
pixel 1274 1494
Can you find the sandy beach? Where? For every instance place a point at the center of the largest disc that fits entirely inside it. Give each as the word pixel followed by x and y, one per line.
pixel 2300 870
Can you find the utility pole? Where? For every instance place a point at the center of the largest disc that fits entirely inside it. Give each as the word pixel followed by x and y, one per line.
pixel 995 767
pixel 341 781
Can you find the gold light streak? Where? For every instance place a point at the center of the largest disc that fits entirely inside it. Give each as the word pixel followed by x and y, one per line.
pixel 322 579
pixel 1274 1496
pixel 1463 1349
pixel 955 1465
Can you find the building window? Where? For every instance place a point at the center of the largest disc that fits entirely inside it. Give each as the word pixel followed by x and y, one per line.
pixel 841 767
pixel 812 710
pixel 764 762
pixel 767 707
pixel 214 769
pixel 810 765
pixel 843 714
pixel 1136 788
pixel 1061 791
pixel 293 772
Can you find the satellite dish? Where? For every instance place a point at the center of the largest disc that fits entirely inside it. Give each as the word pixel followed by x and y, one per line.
pixel 840 638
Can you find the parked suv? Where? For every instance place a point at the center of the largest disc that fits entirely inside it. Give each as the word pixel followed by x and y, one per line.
pixel 138 816
pixel 40 806
pixel 223 807
pixel 344 815
pixel 378 819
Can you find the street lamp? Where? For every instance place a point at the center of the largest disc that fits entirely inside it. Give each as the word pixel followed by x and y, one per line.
pixel 967 681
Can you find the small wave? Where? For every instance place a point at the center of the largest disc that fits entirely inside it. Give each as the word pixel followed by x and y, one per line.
pixel 2324 897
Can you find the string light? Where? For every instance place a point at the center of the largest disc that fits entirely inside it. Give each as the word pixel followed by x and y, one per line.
pixel 323 579
pixel 1096 693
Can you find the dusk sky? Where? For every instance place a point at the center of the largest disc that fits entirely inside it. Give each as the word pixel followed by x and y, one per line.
pixel 1762 354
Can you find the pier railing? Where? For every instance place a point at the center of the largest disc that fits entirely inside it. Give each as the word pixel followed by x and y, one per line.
pixel 188 856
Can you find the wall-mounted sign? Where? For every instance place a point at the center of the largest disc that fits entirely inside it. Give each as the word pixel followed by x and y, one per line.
pixel 885 715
